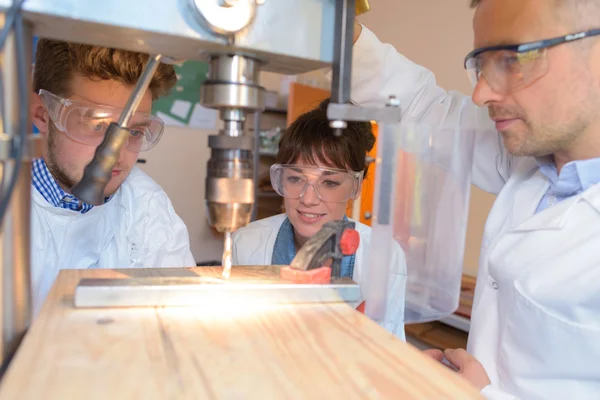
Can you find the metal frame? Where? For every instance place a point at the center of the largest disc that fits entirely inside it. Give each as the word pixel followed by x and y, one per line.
pixel 170 29
pixel 15 236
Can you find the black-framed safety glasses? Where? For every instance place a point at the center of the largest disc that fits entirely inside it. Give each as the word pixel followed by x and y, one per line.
pixel 508 68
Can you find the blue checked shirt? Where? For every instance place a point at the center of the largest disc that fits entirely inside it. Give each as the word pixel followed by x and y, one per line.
pixel 46 185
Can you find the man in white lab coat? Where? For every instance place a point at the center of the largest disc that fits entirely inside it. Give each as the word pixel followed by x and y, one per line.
pixel 79 91
pixel 535 329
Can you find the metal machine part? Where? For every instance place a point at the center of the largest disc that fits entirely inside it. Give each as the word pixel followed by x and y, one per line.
pixel 350 112
pixel 345 12
pixel 233 88
pixel 206 291
pixel 16 185
pixel 227 255
pixel 98 172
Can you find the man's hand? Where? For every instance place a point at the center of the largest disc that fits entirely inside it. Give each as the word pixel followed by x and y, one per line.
pixel 357 30
pixel 468 366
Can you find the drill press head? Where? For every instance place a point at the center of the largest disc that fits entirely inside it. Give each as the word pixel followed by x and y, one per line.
pixel 232 87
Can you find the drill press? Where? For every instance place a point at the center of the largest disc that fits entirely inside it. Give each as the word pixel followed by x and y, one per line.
pixel 232 88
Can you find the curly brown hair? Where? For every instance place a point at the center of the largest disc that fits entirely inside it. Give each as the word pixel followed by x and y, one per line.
pixel 309 138
pixel 57 62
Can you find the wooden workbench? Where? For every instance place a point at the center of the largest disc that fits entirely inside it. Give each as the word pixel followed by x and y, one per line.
pixel 280 352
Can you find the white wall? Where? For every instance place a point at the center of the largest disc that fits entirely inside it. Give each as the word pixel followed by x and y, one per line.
pixel 436 34
pixel 178 164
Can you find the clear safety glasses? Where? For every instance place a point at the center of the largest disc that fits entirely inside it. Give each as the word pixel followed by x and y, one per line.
pixel 330 184
pixel 508 68
pixel 87 122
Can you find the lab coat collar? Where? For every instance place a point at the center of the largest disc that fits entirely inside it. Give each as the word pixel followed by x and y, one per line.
pixel 592 196
pixel 46 185
pixel 554 217
pixel 527 197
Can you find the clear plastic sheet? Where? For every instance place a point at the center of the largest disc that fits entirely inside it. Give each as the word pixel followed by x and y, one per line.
pixel 420 209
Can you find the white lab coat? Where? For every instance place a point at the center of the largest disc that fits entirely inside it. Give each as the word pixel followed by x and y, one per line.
pixel 137 228
pixel 253 245
pixel 535 324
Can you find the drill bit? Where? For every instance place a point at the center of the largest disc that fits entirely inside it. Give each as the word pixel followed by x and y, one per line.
pixel 226 261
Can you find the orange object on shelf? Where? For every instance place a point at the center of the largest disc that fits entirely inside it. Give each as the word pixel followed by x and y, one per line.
pixel 302 99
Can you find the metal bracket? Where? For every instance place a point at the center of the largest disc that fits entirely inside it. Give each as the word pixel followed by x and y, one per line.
pixel 33 147
pixel 351 112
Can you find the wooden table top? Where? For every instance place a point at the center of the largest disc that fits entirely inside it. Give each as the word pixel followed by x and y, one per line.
pixel 319 351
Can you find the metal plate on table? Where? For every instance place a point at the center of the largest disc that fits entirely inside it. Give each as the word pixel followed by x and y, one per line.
pixel 205 291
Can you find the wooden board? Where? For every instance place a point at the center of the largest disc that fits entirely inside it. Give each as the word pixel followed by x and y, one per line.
pixel 438 335
pixel 291 352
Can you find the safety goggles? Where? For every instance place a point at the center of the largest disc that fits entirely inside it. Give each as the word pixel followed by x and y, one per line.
pixel 508 68
pixel 330 184
pixel 87 122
